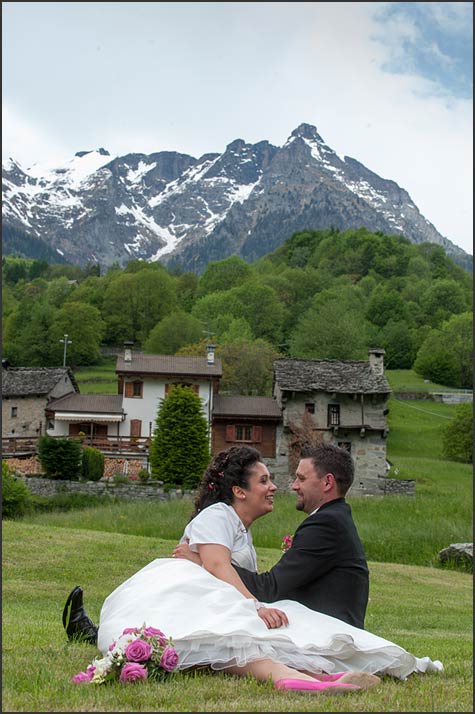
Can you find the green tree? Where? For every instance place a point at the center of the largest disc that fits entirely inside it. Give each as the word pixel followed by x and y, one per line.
pixel 398 341
pixel 135 301
pixel 385 304
pixel 457 436
pixel 442 299
pixel 179 452
pixel 248 367
pixel 332 332
pixel 84 327
pixel 223 275
pixel 445 356
pixel 174 331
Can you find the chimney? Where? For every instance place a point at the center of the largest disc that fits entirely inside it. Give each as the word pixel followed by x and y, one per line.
pixel 376 360
pixel 210 353
pixel 128 351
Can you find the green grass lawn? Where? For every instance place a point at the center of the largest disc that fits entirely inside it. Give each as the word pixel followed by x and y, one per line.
pixel 425 610
pixel 406 380
pixel 98 379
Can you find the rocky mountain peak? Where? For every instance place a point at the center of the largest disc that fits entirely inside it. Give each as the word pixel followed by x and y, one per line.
pixel 184 211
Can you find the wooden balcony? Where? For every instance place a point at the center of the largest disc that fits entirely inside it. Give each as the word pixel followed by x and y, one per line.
pixel 111 445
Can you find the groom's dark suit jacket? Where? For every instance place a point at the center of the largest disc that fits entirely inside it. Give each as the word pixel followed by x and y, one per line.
pixel 325 569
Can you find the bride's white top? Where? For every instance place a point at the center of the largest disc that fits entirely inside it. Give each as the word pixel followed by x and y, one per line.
pixel 220 524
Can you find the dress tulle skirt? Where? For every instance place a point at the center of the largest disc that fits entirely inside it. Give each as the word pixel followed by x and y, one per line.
pixel 212 624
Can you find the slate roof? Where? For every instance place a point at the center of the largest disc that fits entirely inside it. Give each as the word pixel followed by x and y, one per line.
pixel 31 381
pixel 88 403
pixel 236 405
pixel 169 365
pixel 348 377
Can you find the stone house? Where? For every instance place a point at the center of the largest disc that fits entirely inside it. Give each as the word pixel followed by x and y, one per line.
pixel 26 393
pixel 344 402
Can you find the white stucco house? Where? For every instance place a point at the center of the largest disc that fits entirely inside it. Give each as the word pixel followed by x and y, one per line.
pixel 143 380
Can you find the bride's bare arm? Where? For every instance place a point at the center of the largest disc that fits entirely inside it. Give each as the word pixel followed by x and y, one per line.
pixel 217 560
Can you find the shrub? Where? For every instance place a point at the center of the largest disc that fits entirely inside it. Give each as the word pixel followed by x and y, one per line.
pixel 60 458
pixel 92 464
pixel 143 475
pixel 457 437
pixel 16 497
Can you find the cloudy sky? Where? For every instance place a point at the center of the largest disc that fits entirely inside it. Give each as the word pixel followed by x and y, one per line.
pixel 387 83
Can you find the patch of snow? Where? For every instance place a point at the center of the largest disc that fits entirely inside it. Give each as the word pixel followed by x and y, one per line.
pixel 140 171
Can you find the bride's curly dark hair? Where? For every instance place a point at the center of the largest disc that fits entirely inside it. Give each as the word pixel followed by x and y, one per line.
pixel 231 467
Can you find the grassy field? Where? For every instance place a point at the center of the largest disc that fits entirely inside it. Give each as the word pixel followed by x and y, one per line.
pixel 425 610
pixel 98 379
pixel 406 380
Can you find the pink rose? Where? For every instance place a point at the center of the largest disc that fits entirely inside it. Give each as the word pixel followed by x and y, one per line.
pixel 169 659
pixel 132 672
pixel 138 651
pixel 130 630
pixel 153 632
pixel 111 647
pixel 84 676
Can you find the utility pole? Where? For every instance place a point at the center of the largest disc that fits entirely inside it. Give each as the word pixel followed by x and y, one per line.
pixel 66 343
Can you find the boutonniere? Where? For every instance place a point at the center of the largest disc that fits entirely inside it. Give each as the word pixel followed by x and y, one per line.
pixel 286 543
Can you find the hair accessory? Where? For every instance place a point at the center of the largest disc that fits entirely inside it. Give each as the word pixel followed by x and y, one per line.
pixel 220 474
pixel 211 485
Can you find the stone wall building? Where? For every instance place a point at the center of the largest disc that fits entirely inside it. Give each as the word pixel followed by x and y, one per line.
pixel 26 392
pixel 344 402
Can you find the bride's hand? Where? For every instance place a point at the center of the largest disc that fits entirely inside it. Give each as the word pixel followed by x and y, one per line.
pixel 273 617
pixel 183 550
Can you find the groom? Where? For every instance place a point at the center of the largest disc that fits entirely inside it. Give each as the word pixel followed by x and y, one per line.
pixel 325 568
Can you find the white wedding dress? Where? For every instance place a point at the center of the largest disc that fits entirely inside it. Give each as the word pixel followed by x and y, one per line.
pixel 211 623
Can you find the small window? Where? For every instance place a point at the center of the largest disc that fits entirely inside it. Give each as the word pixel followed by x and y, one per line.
pixel 133 390
pixel 333 415
pixel 243 432
pixel 14 412
pixel 310 407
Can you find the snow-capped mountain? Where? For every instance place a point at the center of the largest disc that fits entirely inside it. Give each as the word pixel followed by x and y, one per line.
pixel 185 211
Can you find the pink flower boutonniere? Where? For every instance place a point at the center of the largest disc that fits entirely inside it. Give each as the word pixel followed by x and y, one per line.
pixel 286 543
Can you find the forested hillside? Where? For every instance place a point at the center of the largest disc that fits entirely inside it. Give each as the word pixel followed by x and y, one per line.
pixel 323 294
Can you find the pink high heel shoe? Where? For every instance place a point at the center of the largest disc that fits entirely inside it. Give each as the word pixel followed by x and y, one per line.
pixel 364 680
pixel 307 685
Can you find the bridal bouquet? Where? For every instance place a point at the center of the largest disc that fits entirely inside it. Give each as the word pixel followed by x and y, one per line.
pixel 139 653
pixel 286 543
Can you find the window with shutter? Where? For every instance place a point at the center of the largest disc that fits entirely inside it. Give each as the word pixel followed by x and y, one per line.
pixel 135 427
pixel 129 389
pixel 230 432
pixel 257 433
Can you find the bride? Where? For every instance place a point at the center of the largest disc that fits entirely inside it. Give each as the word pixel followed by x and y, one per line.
pixel 215 620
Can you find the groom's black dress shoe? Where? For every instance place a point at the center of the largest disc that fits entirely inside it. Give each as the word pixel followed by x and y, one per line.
pixel 76 622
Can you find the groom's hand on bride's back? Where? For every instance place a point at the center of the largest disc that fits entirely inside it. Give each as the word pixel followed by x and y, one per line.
pixel 183 550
